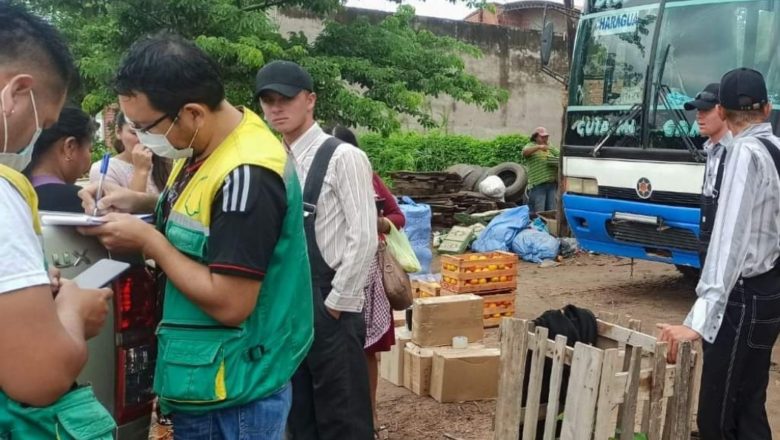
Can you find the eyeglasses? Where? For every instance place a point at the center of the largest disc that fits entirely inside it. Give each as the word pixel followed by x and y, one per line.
pixel 146 129
pixel 707 96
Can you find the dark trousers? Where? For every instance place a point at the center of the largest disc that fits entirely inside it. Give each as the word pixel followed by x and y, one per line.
pixel 331 398
pixel 735 373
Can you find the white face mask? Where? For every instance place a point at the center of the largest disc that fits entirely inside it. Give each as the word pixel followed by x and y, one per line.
pixel 159 144
pixel 19 160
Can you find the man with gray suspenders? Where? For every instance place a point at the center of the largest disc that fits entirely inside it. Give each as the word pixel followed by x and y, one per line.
pixel 738 309
pixel 331 398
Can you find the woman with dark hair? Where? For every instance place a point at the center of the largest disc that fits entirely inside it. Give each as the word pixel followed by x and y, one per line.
pixel 61 156
pixel 134 166
pixel 380 334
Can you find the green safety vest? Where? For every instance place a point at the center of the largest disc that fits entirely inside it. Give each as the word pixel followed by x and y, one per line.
pixel 201 364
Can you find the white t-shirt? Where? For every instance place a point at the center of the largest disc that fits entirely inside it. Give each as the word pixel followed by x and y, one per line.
pixel 21 253
pixel 120 173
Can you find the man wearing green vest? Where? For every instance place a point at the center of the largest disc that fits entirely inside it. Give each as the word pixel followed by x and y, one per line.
pixel 37 331
pixel 237 314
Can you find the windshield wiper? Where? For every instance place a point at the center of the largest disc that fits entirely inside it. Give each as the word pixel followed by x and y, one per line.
pixel 678 116
pixel 632 113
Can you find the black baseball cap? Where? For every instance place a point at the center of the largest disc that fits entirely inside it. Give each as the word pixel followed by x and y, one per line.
pixel 743 89
pixel 707 99
pixel 283 77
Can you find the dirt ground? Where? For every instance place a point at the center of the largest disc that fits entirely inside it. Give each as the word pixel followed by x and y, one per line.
pixel 654 293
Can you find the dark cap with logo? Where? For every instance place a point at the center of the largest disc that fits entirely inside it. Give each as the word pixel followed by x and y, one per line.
pixel 707 99
pixel 743 89
pixel 283 77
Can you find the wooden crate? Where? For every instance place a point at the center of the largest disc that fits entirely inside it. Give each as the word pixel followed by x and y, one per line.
pixel 428 289
pixel 612 392
pixel 497 307
pixel 478 272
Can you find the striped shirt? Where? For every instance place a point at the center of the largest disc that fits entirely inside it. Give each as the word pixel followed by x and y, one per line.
pixel 714 153
pixel 346 217
pixel 746 232
pixel 542 166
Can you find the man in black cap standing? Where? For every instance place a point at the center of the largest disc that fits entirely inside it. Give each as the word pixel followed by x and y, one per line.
pixel 717 132
pixel 738 309
pixel 331 398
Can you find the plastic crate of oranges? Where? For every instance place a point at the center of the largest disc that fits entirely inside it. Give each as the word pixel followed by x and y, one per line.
pixel 497 307
pixel 479 272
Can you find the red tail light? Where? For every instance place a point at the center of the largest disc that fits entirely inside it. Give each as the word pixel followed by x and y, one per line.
pixel 136 316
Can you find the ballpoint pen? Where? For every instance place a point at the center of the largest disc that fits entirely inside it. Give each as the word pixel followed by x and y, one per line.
pixel 103 171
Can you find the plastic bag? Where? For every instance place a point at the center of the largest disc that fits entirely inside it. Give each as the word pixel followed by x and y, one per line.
pixel 418 231
pixel 399 246
pixel 535 246
pixel 502 230
pixel 493 187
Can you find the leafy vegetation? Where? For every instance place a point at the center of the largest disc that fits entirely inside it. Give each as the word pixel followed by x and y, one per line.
pixel 436 151
pixel 365 75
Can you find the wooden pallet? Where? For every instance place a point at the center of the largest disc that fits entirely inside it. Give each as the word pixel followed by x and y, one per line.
pixel 479 272
pixel 425 183
pixel 620 386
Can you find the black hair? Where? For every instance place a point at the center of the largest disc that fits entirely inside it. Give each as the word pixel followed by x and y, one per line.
pixel 119 122
pixel 171 71
pixel 28 38
pixel 343 133
pixel 73 122
pixel 161 167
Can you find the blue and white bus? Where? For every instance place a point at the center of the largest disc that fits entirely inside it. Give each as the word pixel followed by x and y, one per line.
pixel 632 159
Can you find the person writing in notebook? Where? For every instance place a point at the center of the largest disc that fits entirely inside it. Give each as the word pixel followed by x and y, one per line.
pixel 37 330
pixel 233 288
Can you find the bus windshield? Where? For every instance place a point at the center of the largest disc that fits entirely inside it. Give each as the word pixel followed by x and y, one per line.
pixel 698 42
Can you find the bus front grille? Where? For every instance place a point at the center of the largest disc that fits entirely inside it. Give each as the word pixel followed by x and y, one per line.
pixel 650 235
pixel 659 197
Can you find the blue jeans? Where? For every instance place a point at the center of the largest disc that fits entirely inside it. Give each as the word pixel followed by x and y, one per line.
pixel 543 197
pixel 264 419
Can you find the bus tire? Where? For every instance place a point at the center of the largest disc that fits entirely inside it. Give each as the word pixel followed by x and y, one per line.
pixel 688 272
pixel 515 178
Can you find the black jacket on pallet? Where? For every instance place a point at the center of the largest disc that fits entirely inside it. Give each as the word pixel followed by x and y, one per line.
pixel 578 325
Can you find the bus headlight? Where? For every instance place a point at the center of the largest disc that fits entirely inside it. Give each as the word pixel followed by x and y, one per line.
pixel 579 185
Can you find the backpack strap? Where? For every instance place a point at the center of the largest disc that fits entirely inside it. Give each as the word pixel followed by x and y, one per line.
pixel 773 151
pixel 316 176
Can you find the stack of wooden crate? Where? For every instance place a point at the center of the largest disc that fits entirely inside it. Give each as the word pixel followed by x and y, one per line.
pixel 492 275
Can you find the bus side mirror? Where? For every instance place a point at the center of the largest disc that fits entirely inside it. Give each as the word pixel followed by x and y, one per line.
pixel 547 42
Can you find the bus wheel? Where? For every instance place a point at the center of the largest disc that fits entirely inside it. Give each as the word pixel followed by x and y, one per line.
pixel 689 273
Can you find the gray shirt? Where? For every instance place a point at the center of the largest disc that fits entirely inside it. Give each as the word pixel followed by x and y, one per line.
pixel 746 232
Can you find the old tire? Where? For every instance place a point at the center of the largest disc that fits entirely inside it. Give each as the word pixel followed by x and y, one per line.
pixel 471 183
pixel 466 172
pixel 515 178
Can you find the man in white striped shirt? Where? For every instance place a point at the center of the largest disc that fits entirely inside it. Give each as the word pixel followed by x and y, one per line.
pixel 331 397
pixel 738 309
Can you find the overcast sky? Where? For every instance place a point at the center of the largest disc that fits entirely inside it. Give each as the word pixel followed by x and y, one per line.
pixel 431 8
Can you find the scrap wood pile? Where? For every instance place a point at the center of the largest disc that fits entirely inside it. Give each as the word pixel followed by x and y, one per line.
pixel 444 193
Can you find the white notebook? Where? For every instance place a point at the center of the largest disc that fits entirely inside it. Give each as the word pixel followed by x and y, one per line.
pixel 52 218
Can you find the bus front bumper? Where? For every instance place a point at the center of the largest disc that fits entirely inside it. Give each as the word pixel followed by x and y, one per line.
pixel 629 229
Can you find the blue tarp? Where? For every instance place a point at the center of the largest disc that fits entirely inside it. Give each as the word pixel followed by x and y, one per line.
pixel 502 230
pixel 535 246
pixel 418 231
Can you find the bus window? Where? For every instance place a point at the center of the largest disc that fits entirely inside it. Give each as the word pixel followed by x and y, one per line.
pixel 613 57
pixel 697 44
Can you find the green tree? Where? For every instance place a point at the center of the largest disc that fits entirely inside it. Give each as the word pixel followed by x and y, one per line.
pixel 366 75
